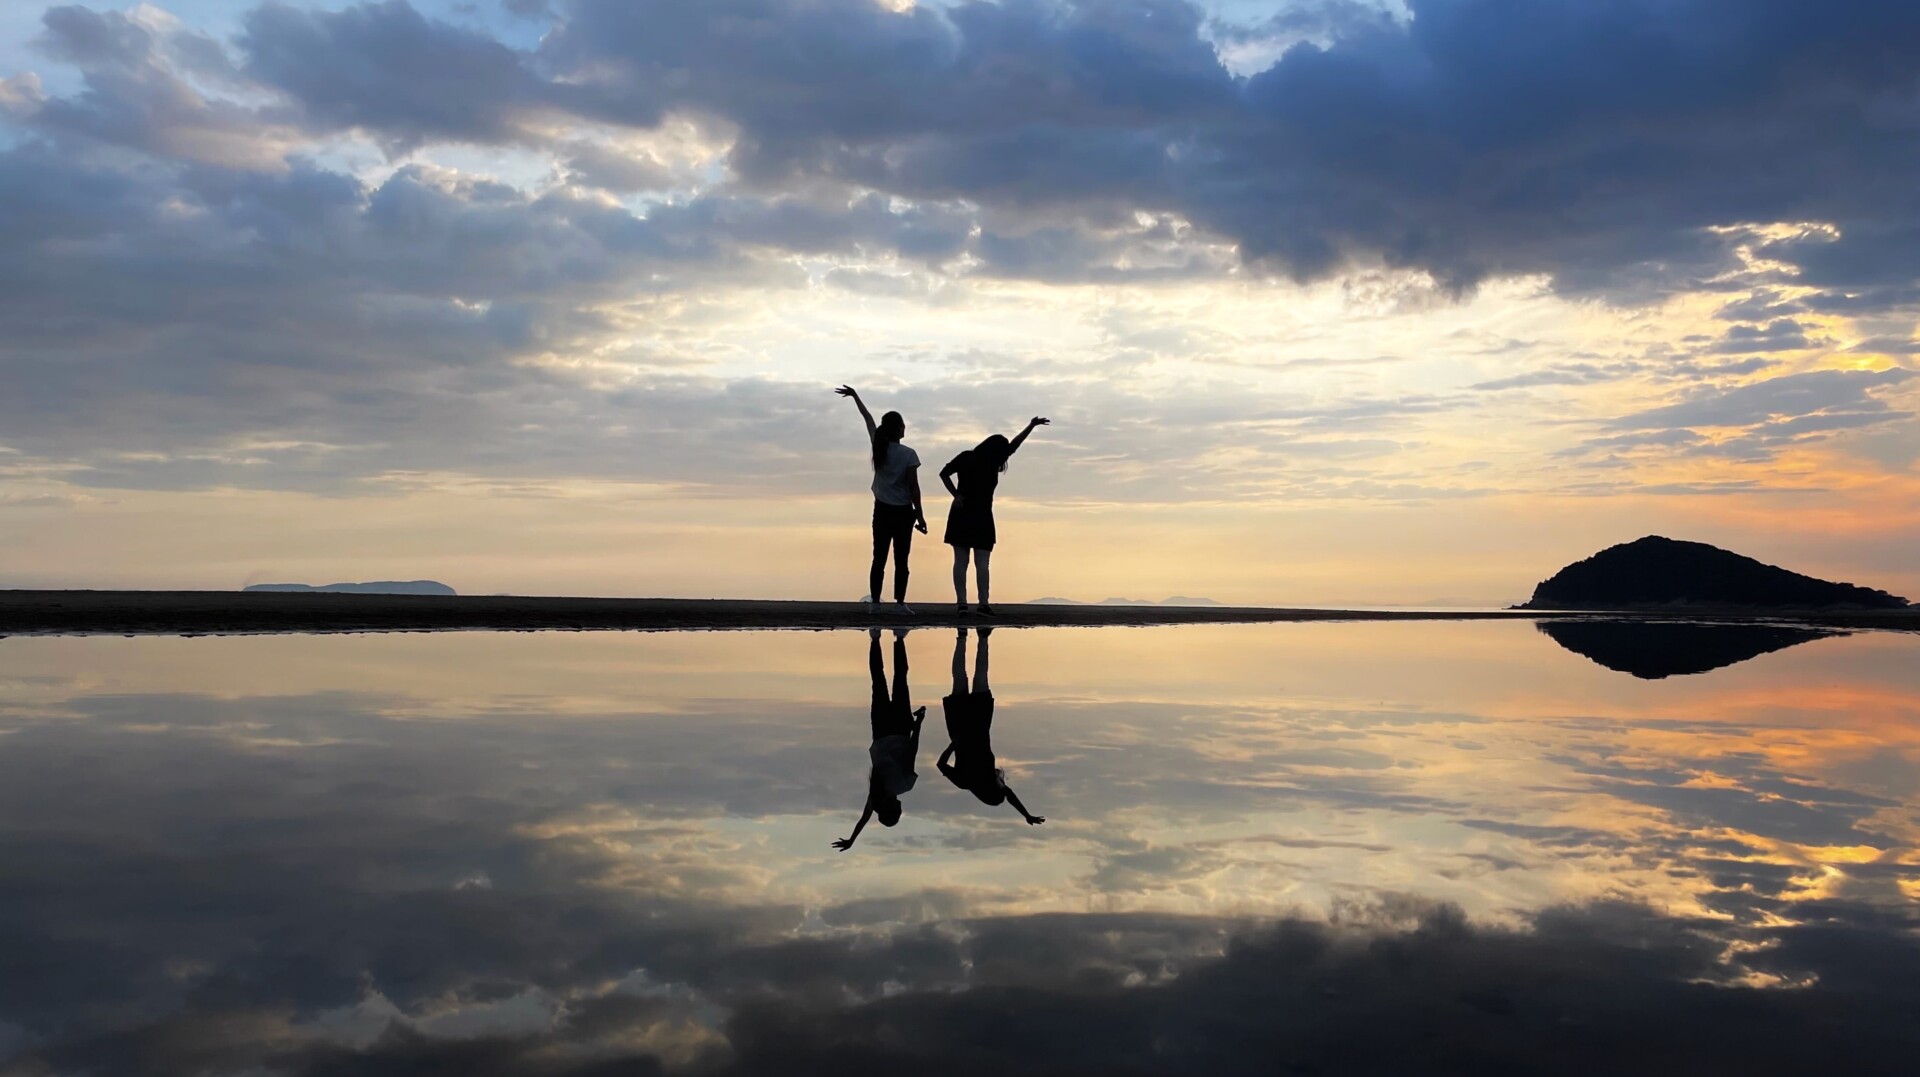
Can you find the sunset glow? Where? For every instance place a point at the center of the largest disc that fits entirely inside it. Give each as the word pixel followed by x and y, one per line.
pixel 1330 303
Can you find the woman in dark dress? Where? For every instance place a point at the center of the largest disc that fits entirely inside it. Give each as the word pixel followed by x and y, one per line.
pixel 968 761
pixel 970 529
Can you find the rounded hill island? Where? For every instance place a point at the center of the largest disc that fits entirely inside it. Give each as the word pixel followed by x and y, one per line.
pixel 1658 573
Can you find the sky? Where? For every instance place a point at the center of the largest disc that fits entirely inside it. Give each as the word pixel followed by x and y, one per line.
pixel 1329 301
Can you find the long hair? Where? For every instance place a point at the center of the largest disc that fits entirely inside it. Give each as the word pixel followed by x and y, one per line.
pixel 892 428
pixel 995 450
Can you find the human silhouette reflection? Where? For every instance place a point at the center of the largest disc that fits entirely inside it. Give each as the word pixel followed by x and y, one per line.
pixel 969 714
pixel 896 738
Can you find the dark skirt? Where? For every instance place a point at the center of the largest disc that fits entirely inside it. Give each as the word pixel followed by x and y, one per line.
pixel 970 527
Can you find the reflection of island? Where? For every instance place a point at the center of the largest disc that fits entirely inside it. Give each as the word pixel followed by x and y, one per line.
pixel 377 587
pixel 1653 651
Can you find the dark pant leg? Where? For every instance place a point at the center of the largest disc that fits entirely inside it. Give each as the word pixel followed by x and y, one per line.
pixel 882 538
pixel 901 699
pixel 902 546
pixel 877 671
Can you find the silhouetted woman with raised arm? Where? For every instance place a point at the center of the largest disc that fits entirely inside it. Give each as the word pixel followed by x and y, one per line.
pixel 896 738
pixel 970 732
pixel 970 529
pixel 896 500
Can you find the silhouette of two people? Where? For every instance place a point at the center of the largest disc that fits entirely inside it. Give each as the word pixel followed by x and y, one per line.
pixel 898 511
pixel 968 761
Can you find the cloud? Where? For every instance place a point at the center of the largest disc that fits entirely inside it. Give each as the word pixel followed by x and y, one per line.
pixel 385 68
pixel 1560 374
pixel 443 871
pixel 1459 141
pixel 1779 335
pixel 1819 395
pixel 251 262
pixel 141 73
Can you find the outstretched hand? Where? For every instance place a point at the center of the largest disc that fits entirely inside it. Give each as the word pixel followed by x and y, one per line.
pixel 843 844
pixel 1036 820
pixel 1039 420
pixel 847 390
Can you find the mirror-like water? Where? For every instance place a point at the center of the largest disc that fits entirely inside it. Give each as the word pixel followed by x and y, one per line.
pixel 1357 848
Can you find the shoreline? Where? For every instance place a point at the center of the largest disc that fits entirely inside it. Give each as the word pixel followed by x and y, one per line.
pixel 196 613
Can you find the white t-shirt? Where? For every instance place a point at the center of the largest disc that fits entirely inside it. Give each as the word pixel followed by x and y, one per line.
pixel 893 763
pixel 890 479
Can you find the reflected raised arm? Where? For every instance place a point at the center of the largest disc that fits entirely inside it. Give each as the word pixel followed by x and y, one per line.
pixel 1032 819
pixel 872 429
pixel 843 844
pixel 1014 445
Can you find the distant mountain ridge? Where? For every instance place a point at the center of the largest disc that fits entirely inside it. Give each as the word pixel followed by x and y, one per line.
pixel 376 587
pixel 1662 573
pixel 1176 600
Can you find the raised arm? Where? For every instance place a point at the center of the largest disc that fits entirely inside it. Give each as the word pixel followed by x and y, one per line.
pixel 848 390
pixel 846 843
pixel 1014 446
pixel 941 763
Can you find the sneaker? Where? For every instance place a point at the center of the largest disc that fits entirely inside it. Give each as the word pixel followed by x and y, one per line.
pixel 903 609
pixel 960 609
pixel 985 610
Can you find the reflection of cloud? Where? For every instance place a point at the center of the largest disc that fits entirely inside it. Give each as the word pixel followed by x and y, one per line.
pixel 511 872
pixel 1396 986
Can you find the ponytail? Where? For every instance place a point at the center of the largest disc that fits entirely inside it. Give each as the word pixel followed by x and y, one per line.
pixel 891 429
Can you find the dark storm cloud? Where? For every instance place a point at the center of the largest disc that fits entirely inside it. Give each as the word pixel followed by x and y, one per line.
pixel 1474 139
pixel 138 95
pixel 388 69
pixel 830 84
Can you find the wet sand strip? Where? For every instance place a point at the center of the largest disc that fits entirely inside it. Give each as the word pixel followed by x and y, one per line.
pixel 233 612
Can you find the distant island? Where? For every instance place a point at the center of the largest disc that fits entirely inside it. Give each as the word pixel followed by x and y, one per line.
pixel 377 587
pixel 1667 574
pixel 1176 600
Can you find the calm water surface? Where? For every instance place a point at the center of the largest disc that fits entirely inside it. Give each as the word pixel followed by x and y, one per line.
pixel 1331 848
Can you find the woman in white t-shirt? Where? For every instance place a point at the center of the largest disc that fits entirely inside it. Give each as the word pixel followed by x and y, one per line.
pixel 896 738
pixel 896 500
